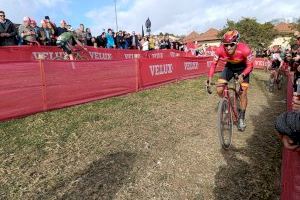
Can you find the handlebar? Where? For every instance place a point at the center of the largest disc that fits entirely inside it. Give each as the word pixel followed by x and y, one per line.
pixel 236 78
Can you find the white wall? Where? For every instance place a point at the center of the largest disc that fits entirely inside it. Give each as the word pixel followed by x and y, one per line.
pixel 283 41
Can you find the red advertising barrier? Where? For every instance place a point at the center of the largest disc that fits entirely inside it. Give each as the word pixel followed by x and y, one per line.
pixel 46 84
pixel 261 63
pixel 70 83
pixel 20 89
pixel 166 53
pixel 290 168
pixel 158 71
pixel 30 87
pixel 192 67
pixel 155 72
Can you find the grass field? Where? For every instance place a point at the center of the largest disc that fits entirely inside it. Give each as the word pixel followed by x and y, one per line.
pixel 154 144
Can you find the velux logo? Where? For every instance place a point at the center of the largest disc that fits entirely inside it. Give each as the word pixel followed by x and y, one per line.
pixel 157 70
pixel 188 66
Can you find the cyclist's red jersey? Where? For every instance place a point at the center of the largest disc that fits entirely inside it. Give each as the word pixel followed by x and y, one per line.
pixel 242 54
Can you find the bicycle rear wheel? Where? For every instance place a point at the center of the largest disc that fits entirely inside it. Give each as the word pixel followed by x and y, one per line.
pixel 225 123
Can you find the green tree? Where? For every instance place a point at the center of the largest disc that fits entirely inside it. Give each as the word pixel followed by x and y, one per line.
pixel 296 25
pixel 257 35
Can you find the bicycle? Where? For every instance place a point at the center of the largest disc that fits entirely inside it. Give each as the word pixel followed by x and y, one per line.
pixel 228 111
pixel 273 81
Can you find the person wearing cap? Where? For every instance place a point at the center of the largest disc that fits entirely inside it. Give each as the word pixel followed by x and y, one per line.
pixel 64 41
pixel 62 28
pixel 26 32
pixel 8 31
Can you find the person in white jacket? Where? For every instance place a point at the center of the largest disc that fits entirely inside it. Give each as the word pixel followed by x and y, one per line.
pixel 145 44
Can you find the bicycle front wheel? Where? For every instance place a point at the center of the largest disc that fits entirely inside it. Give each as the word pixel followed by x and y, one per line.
pixel 225 123
pixel 271 84
pixel 280 82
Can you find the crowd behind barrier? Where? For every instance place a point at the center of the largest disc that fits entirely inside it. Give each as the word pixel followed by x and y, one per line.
pixel 29 32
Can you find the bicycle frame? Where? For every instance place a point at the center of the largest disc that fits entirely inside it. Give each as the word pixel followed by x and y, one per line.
pixel 228 110
pixel 232 104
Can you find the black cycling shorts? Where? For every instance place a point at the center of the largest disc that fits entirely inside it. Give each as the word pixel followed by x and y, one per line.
pixel 230 69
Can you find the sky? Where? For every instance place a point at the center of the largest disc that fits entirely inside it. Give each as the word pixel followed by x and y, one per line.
pixel 177 17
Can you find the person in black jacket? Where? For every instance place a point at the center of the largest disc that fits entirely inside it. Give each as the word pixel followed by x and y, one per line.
pixel 101 40
pixel 8 31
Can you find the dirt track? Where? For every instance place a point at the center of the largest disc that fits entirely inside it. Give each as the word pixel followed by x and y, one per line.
pixel 150 146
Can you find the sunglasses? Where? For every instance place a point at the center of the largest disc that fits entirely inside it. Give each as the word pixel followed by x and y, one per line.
pixel 229 44
pixel 2 15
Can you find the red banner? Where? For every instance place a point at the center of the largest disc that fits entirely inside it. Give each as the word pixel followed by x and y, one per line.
pixel 160 71
pixel 166 53
pixel 261 63
pixel 157 71
pixel 20 89
pixel 30 87
pixel 45 85
pixel 191 67
pixel 30 53
pixel 70 83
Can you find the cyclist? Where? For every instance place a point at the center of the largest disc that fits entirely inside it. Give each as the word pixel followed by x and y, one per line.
pixel 276 65
pixel 239 59
pixel 65 40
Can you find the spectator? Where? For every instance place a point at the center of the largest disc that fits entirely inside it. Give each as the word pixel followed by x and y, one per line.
pixel 115 38
pixel 151 43
pixel 288 126
pixel 62 28
pixel 8 31
pixel 89 37
pixel 94 42
pixel 165 43
pixel 134 42
pixel 127 39
pixel 26 32
pixel 110 42
pixel 81 34
pixel 120 40
pixel 296 102
pixel 157 43
pixel 47 33
pixel 50 24
pixel 35 28
pixel 145 44
pixel 101 40
pixel 288 123
pixel 52 27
